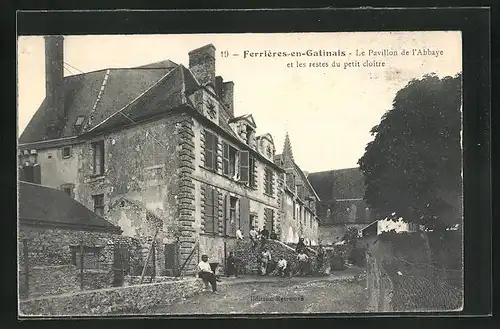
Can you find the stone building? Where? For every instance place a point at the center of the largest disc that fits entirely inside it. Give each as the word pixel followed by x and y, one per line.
pixel 157 141
pixel 342 205
pixel 300 201
pixel 54 225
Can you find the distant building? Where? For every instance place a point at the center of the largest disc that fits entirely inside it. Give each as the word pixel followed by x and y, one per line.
pixel 300 201
pixel 342 205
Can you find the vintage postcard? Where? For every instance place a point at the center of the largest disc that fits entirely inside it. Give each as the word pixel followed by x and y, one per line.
pixel 279 173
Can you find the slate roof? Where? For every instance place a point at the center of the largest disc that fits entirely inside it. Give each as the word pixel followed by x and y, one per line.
pixel 81 93
pixel 338 184
pixel 51 207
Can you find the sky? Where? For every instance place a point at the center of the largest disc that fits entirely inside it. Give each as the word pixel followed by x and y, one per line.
pixel 328 112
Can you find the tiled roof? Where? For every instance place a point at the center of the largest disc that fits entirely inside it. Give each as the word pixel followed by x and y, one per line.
pixel 48 206
pixel 338 184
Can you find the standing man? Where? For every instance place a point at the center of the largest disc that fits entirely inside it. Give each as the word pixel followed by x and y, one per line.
pixel 320 258
pixel 206 274
pixel 265 258
pixel 253 237
pixel 264 235
pixel 303 259
pixel 231 265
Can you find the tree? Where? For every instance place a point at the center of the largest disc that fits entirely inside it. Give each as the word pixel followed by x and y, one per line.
pixel 413 166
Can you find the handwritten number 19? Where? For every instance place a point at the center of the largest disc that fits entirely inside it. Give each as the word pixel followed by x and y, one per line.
pixel 224 53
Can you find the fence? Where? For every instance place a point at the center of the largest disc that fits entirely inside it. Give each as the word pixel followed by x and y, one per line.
pixel 394 284
pixel 87 268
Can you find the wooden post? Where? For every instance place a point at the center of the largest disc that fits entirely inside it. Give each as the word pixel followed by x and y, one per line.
pixel 81 264
pixel 381 294
pixel 153 273
pixel 149 255
pixel 26 267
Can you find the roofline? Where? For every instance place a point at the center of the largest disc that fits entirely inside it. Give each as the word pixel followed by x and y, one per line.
pixel 304 177
pixel 123 68
pixel 72 226
pixel 239 142
pixel 47 141
pixel 333 170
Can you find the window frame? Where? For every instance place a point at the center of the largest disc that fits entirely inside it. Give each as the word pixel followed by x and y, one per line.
pixel 268 180
pixel 95 146
pixel 212 150
pixel 211 202
pixel 69 152
pixel 97 205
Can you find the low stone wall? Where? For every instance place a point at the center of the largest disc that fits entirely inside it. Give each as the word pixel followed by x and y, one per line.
pixel 49 280
pixel 120 300
pixel 131 280
pixel 61 279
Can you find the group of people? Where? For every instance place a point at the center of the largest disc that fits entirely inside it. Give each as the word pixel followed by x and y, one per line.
pixel 255 236
pixel 206 273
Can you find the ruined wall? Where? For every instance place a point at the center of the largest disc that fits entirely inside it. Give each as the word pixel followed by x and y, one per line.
pixel 143 163
pixel 334 233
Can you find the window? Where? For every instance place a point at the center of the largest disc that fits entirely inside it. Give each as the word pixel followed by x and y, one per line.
pixel 98 161
pixel 244 166
pixel 300 191
pixel 235 221
pixel 211 211
pixel 268 181
pixel 210 151
pixel 90 257
pixel 99 204
pixel 79 121
pixel 269 219
pixel 228 160
pixel 66 152
pixel 249 135
pixel 294 209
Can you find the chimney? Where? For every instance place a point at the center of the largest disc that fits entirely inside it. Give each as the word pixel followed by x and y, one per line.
pixel 202 64
pixel 228 97
pixel 54 77
pixel 218 85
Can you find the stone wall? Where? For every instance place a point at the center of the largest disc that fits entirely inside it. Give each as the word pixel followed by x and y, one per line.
pixel 61 279
pixel 52 246
pixel 49 280
pixel 122 300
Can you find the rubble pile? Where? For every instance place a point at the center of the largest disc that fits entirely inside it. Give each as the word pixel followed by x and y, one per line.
pixel 249 257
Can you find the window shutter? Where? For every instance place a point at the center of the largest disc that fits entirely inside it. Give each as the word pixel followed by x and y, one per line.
pixel 216 210
pixel 225 158
pixel 227 218
pixel 245 216
pixel 209 210
pixel 244 165
pixel 214 148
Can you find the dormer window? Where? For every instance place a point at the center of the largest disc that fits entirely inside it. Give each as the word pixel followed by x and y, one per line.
pixel 79 121
pixel 269 151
